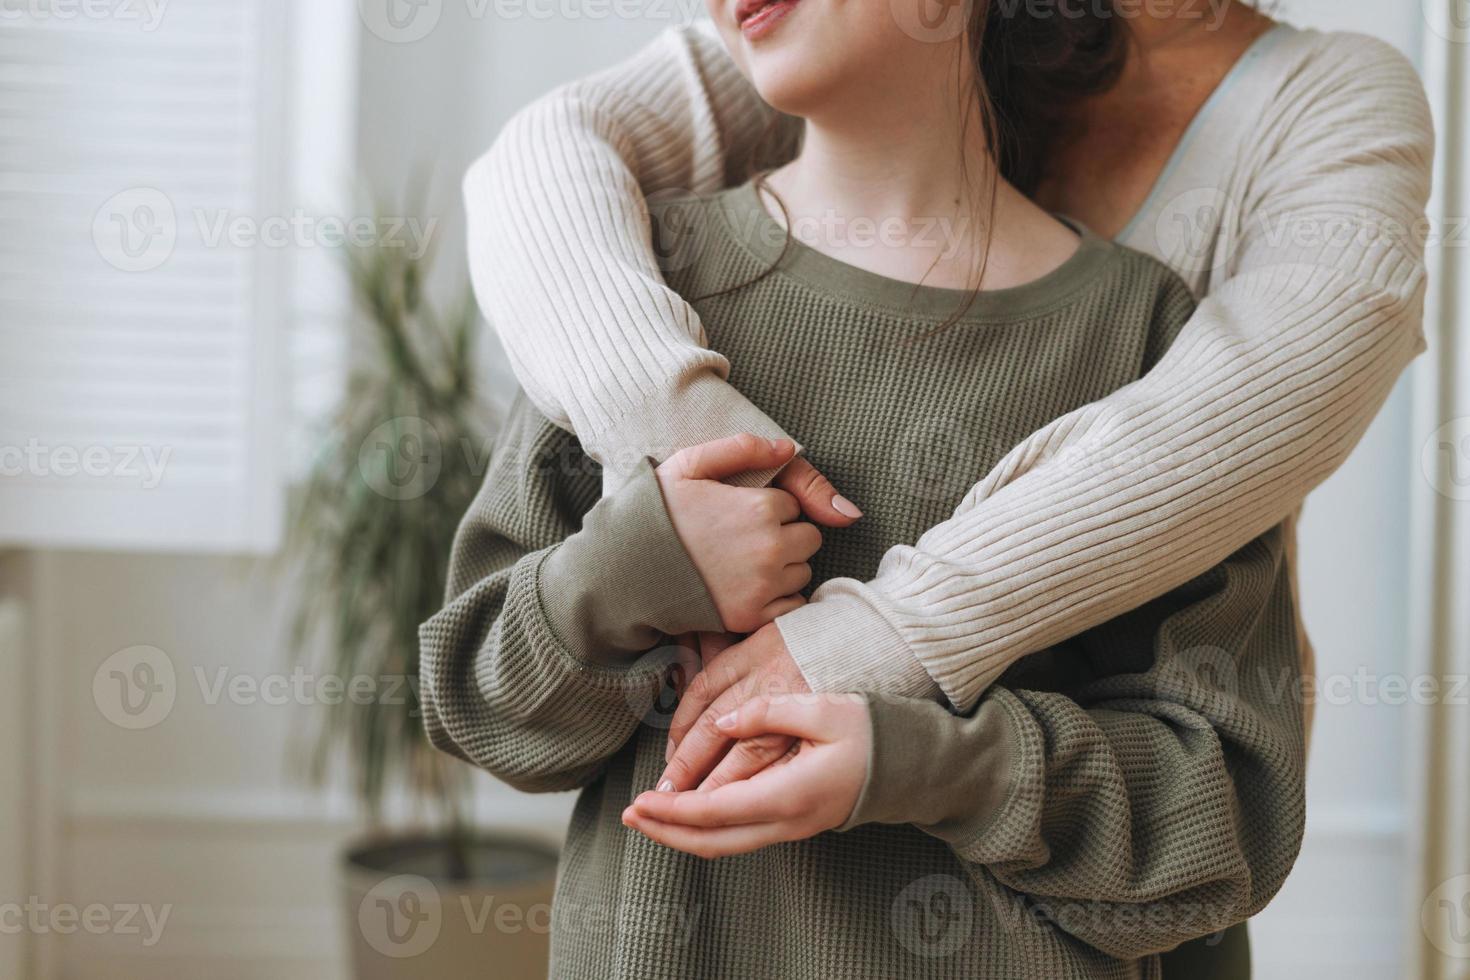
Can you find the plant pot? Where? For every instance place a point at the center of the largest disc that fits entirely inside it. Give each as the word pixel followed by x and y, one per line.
pixel 409 918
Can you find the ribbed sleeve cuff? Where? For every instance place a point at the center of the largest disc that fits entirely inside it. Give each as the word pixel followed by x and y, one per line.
pixel 613 587
pixel 842 643
pixel 950 776
pixel 700 408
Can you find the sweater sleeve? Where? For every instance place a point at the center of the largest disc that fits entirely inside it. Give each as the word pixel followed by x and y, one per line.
pixel 560 252
pixel 1158 800
pixel 1264 393
pixel 535 668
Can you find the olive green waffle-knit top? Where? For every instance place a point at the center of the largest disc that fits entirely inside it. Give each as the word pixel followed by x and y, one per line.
pixel 1134 787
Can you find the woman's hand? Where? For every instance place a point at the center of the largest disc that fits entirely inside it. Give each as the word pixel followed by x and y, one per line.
pixel 758 666
pixel 748 544
pixel 810 792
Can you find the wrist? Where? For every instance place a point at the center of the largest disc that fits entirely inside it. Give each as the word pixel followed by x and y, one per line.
pixel 951 776
pixel 841 643
pixel 694 409
pixel 624 579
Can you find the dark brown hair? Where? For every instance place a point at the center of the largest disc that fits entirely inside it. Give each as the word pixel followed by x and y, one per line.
pixel 1035 61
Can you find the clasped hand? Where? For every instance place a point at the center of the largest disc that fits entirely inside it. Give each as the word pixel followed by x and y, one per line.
pixel 753 757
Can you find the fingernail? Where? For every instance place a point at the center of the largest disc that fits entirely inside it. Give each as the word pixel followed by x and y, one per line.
pixel 845 507
pixel 667 786
pixel 725 722
pixel 780 445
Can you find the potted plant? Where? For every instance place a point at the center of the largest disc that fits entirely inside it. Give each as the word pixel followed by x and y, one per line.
pixel 370 531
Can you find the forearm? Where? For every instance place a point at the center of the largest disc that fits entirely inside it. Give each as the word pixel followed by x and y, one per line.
pixel 1118 880
pixel 1123 499
pixel 502 692
pixel 1164 802
pixel 562 261
pixel 534 670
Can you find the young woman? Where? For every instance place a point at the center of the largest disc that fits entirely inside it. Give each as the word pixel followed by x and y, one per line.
pixel 1135 787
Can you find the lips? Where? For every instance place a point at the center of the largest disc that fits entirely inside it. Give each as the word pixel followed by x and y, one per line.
pixel 758 18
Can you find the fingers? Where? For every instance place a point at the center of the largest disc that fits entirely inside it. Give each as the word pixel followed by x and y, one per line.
pixel 772 797
pixel 718 674
pixel 792 579
pixel 808 716
pixel 701 747
pixel 781 607
pixel 734 454
pixel 800 540
pixel 711 645
pixel 819 500
pixel 707 843
pixel 779 505
pixel 746 758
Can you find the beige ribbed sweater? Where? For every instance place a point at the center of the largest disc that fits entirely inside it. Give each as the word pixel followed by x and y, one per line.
pixel 1291 208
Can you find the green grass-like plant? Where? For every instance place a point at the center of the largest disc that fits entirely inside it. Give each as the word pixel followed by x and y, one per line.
pixel 371 527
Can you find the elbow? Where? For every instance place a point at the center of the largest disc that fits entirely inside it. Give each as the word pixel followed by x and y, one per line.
pixel 519 148
pixel 1276 852
pixel 504 756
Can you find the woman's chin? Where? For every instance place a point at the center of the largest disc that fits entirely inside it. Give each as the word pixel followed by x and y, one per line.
pixel 789 85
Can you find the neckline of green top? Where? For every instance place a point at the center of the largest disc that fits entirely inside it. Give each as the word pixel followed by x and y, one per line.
pixel 754 229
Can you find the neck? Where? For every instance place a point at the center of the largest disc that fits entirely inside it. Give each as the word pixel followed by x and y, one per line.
pixel 909 196
pixel 910 166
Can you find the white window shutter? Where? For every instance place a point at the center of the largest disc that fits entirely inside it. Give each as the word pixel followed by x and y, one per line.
pixel 142 388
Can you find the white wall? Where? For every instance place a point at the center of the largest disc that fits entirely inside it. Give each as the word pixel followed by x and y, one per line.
pixel 203 812
pixel 1341 912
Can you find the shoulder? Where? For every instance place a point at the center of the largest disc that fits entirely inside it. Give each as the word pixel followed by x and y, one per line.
pixel 1352 81
pixel 1344 53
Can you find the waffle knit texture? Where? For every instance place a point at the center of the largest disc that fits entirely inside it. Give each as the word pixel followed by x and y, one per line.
pixel 1290 208
pixel 1135 787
